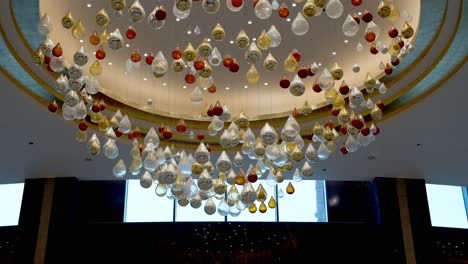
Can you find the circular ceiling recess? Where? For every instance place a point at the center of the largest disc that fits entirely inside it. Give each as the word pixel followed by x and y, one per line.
pixel 357 42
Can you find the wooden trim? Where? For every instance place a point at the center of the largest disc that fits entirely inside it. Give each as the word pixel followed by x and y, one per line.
pixel 47 200
pixel 405 222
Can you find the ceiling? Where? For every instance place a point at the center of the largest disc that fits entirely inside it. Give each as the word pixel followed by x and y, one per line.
pixel 421 139
pixel 323 38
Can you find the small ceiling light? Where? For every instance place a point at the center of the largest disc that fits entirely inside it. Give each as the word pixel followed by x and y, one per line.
pixel 145 79
pixel 127 45
pixel 177 19
pixel 320 64
pixel 81 41
pixel 288 19
pixel 227 88
pixel 209 40
pixel 164 84
pixel 185 86
pixel 232 42
pixel 294 4
pixel 346 41
pixel 246 86
pixel 333 53
pixel 265 84
pixel 189 32
pixel 205 88
pixel 254 39
pixel 249 22
pixel 359 13
pixel 110 63
pixel 146 54
pixel 88 5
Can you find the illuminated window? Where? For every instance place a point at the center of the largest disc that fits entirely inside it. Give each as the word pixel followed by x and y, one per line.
pixel 306 204
pixel 143 205
pixel 11 196
pixel 447 206
pixel 246 216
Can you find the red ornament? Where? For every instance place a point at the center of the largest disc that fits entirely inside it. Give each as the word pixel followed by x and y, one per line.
pixel 102 105
pixel 200 136
pixel 330 124
pixel 237 3
pixel 296 55
pixel 167 133
pixel 161 14
pixel 303 72
pixel 393 32
pixel 210 111
pixel 356 18
pixel 283 11
pixel 181 127
pixel 199 64
pixel 388 69
pixel 218 109
pixel 57 51
pixel 296 113
pixel 149 59
pixel 356 2
pixel 344 129
pixel 49 68
pixel 401 43
pixel 370 36
pixel 367 16
pixel 53 107
pixel 130 33
pixel 46 60
pixel 310 72
pixel 176 54
pixel 227 61
pixel 118 133
pixel 344 88
pixel 365 131
pixel 377 131
pixel 189 78
pixel 252 177
pixel 208 147
pixel 284 82
pixel 161 128
pixel 212 89
pixel 395 62
pixel 343 150
pixel 96 108
pixel 100 53
pixel 255 3
pixel 357 123
pixel 136 133
pixel 335 111
pixel 380 105
pixel 309 136
pixel 316 87
pixel 234 66
pixel 373 49
pixel 130 136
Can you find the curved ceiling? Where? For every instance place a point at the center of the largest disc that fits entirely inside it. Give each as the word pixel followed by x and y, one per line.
pixel 437 69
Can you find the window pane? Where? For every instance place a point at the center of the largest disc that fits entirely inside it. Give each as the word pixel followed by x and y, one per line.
pixel 11 196
pixel 143 205
pixel 190 214
pixel 246 216
pixel 446 206
pixel 301 206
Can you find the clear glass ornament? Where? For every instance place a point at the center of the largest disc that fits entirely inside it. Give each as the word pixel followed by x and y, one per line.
pixel 110 149
pixel 119 169
pixel 350 27
pixel 334 9
pixel 196 96
pixel 263 9
pixel 300 26
pixel 274 36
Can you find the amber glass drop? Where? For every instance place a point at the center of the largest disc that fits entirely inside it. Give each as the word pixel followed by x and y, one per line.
pixel 176 54
pixel 252 177
pixel 262 208
pixel 212 89
pixel 57 51
pixel 295 113
pixel 252 208
pixel 283 11
pixel 227 61
pixel 284 82
pixel 261 193
pixel 370 36
pixel 272 202
pixel 100 53
pixel 290 188
pixel 53 107
pixel 94 39
pixel 240 178
pixel 130 33
pixel 135 56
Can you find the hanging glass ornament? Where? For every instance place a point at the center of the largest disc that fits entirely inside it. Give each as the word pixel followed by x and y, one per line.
pixel 290 63
pixel 248 194
pixel 326 80
pixel 44 26
pixel 115 40
pixel 309 9
pixel 297 87
pixel 215 57
pixel 136 12
pixel 407 31
pixel 253 54
pixel 68 21
pixel 372 32
pixel 283 11
pixel 252 75
pixel 235 5
pixel 268 135
pixel 350 27
pixel 218 32
pixel 274 36
pixel 119 169
pixel 211 6
pixel 384 10
pixel 94 146
pixel 300 26
pixel 210 207
pixel 311 153
pixel 334 9
pixel 263 9
pixel 264 41
pixel 394 13
pixel 320 3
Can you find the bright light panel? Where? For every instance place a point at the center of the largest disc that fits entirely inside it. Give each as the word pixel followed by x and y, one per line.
pixel 11 196
pixel 446 206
